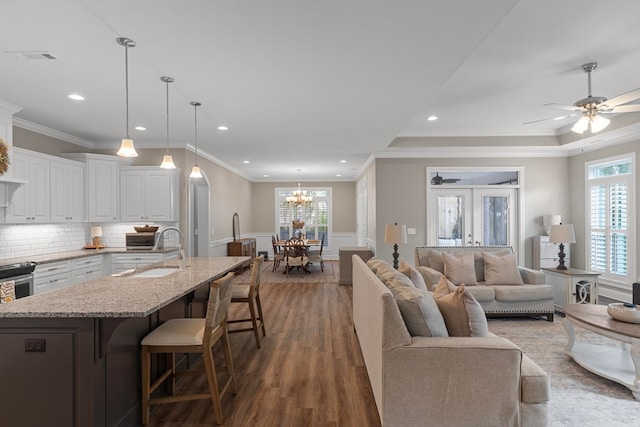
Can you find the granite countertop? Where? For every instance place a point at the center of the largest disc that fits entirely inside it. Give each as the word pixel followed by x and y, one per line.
pixel 123 296
pixel 79 253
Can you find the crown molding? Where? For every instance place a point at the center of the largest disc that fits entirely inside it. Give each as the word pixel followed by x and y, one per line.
pixel 47 131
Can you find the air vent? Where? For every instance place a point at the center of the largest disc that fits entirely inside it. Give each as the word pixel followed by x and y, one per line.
pixel 31 54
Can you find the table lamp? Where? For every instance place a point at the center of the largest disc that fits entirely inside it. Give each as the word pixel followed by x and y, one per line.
pixel 395 234
pixel 562 233
pixel 96 234
pixel 549 220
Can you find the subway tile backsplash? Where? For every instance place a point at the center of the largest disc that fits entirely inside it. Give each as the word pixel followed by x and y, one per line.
pixel 17 241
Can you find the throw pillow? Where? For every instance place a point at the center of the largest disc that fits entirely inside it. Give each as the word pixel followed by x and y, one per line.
pixel 444 287
pixel 387 273
pixel 375 263
pixel 413 274
pixel 501 270
pixel 435 260
pixel 420 313
pixel 480 262
pixel 460 270
pixel 462 314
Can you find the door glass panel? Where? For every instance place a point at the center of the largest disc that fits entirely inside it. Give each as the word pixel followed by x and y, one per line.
pixel 495 220
pixel 450 224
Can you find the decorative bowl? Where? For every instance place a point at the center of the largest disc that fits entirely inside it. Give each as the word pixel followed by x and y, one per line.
pixel 146 229
pixel 629 313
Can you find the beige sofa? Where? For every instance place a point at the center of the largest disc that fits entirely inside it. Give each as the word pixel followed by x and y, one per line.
pixel 441 381
pixel 534 298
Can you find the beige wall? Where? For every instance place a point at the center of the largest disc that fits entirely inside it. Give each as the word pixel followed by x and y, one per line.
pixel 401 196
pixel 44 144
pixel 343 203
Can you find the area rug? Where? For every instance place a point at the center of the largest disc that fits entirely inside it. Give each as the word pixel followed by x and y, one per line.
pixel 315 274
pixel 578 397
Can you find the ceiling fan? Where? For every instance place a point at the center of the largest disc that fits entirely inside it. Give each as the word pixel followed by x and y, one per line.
pixel 438 180
pixel 592 108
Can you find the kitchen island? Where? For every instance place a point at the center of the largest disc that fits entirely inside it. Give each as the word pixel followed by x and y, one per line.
pixel 71 356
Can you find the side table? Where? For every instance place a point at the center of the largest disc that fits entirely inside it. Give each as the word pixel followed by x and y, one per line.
pixel 572 286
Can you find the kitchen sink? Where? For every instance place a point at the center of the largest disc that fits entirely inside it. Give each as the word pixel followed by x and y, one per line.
pixel 156 272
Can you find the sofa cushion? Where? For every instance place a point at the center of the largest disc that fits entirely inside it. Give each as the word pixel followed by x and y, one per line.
pixel 413 275
pixel 460 269
pixel 482 293
pixel 479 259
pixel 501 269
pixel 462 314
pixel 420 313
pixel 506 293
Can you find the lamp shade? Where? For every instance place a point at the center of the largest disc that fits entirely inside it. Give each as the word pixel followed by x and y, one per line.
pixel 549 220
pixel 127 149
pixel 562 233
pixel 395 233
pixel 96 231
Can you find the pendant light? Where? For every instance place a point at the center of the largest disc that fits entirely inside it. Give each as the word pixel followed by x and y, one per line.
pixel 167 160
pixel 126 148
pixel 195 171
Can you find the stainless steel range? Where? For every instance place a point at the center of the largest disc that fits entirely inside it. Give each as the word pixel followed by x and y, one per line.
pixel 22 274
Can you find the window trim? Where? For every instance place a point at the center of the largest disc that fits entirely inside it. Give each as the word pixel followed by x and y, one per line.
pixel 607 278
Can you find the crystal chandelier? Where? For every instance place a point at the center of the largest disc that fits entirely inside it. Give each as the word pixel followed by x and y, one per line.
pixel 299 197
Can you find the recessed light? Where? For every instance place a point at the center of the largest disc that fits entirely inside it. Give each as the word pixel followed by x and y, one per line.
pixel 246 161
pixel 432 118
pixel 338 174
pixel 265 176
pixel 343 161
pixel 223 127
pixel 140 128
pixel 76 97
pixel 560 118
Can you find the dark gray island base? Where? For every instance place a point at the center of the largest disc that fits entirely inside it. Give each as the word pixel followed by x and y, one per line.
pixel 71 357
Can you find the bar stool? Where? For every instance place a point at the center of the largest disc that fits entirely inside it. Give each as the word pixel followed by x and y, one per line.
pixel 191 335
pixel 248 294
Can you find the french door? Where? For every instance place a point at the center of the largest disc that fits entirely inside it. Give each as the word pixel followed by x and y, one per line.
pixel 472 216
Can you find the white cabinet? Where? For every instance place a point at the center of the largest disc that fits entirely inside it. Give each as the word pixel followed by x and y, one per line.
pixel 51 276
pixel 31 202
pixel 149 194
pixel 572 286
pixel 102 189
pixel 545 253
pixel 124 262
pixel 67 191
pixel 87 268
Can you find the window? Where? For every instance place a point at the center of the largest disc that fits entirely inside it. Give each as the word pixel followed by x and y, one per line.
pixel 316 215
pixel 611 219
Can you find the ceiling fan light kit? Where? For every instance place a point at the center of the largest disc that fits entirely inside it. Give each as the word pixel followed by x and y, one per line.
pixel 592 108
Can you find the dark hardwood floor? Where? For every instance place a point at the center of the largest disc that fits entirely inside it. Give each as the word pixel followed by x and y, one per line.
pixel 308 372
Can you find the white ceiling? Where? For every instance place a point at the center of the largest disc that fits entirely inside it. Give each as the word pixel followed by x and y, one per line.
pixel 305 84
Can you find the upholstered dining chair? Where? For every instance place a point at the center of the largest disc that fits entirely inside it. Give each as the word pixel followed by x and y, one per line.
pixel 315 256
pixel 295 255
pixel 278 254
pixel 191 335
pixel 250 294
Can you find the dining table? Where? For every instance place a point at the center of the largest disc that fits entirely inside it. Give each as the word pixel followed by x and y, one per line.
pixel 306 244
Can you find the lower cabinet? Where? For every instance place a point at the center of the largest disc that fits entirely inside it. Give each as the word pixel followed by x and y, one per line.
pixel 124 262
pixel 87 268
pixel 52 276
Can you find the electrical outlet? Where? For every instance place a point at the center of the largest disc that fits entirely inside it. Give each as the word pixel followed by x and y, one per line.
pixel 411 231
pixel 35 345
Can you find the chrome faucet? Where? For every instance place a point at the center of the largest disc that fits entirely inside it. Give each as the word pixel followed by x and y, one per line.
pixel 180 244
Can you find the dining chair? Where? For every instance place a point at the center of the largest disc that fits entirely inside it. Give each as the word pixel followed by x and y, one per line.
pixel 316 255
pixel 278 254
pixel 295 255
pixel 250 294
pixel 191 335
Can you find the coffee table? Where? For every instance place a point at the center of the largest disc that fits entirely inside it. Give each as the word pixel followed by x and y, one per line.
pixel 620 364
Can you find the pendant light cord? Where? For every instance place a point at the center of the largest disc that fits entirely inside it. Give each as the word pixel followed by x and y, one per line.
pixel 168 81
pixel 126 85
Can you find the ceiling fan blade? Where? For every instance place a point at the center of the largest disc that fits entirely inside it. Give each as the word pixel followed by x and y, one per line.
pixel 624 98
pixel 450 180
pixel 631 108
pixel 551 118
pixel 563 106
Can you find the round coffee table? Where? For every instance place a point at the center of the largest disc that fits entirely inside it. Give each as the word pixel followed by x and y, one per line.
pixel 620 364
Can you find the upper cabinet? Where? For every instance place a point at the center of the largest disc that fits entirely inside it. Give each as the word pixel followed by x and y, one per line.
pixel 102 179
pixel 67 191
pixel 31 202
pixel 149 194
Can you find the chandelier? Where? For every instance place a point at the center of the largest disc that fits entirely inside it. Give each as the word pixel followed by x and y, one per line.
pixel 299 197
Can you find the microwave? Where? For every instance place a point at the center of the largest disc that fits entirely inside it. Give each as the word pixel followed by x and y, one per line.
pixel 142 241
